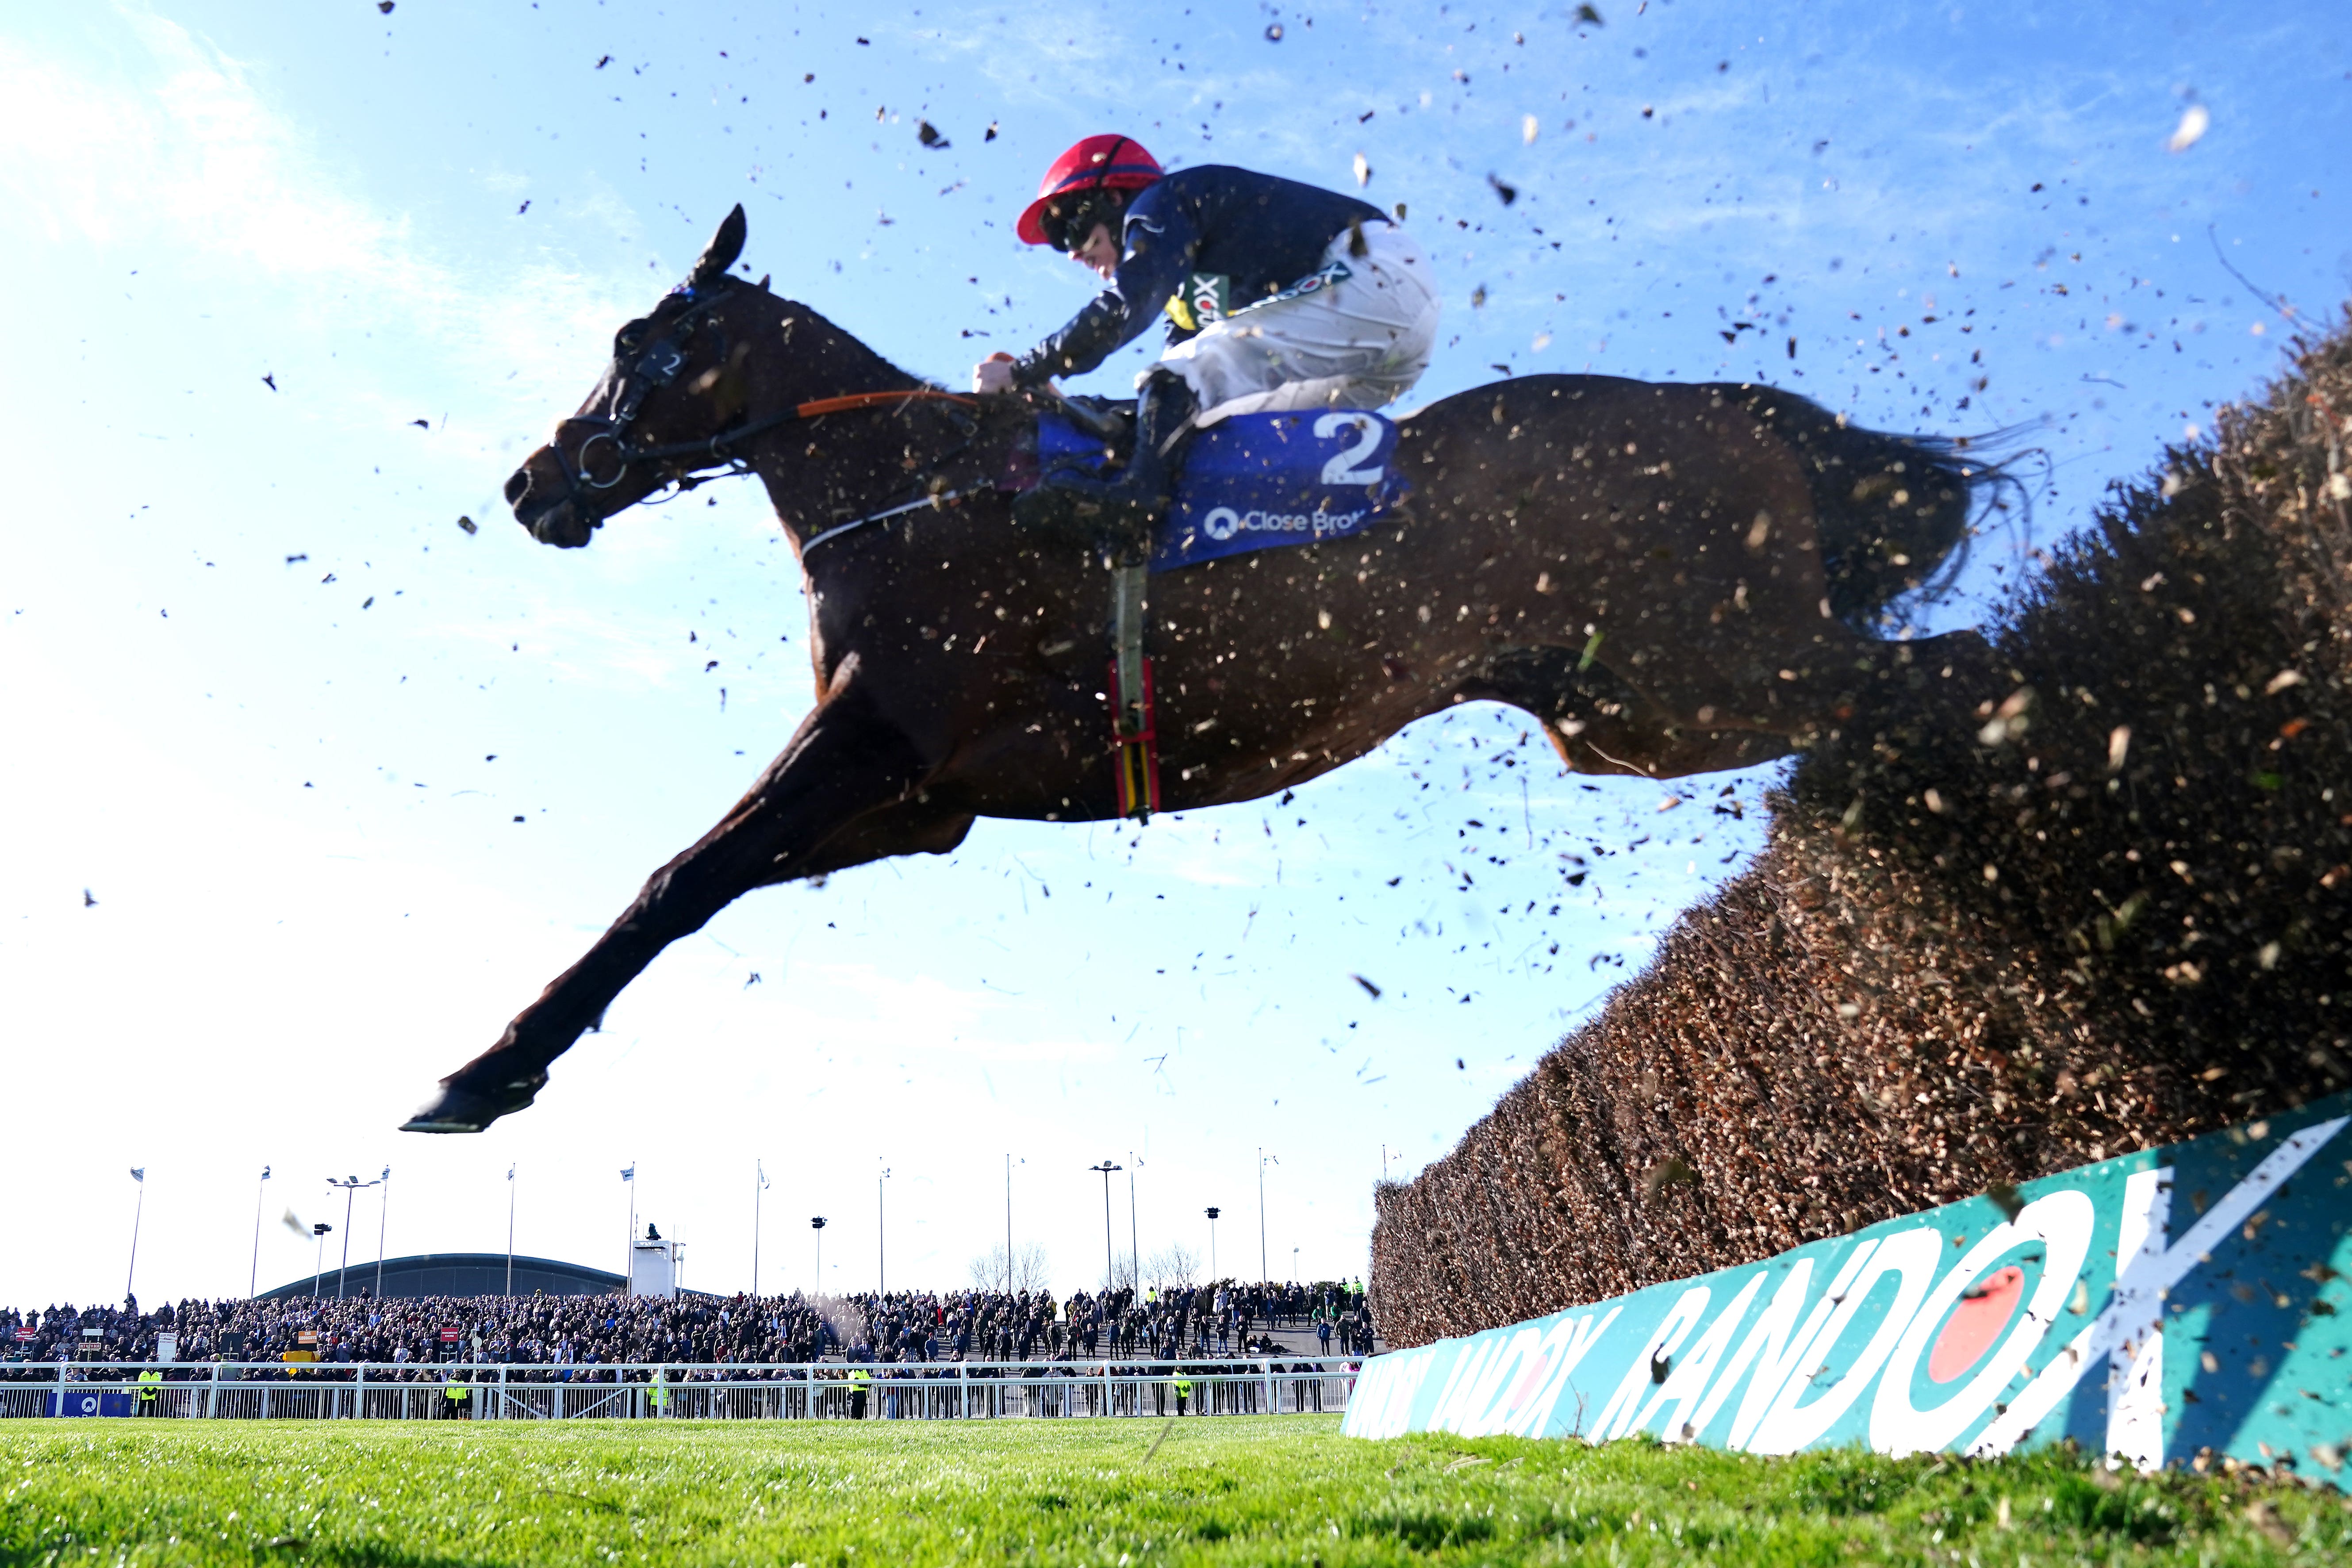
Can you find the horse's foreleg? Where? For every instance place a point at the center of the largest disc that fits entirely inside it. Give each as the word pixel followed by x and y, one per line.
pixel 848 764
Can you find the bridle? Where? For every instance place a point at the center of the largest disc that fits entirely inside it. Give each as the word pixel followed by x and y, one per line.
pixel 657 366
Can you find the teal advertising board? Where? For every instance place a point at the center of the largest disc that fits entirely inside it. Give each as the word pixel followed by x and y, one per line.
pixel 2149 1307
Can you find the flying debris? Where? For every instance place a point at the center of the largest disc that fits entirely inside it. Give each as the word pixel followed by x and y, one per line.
pixel 1273 32
pixel 928 134
pixel 469 525
pixel 603 62
pixel 1509 193
pixel 991 132
pixel 1590 17
pixel 385 7
pixel 88 902
pixel 1370 990
pixel 1669 1172
pixel 270 381
pixel 2194 122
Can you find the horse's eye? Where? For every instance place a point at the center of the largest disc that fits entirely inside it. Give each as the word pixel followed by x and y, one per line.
pixel 626 340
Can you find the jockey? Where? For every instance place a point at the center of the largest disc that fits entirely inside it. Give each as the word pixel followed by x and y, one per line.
pixel 1279 296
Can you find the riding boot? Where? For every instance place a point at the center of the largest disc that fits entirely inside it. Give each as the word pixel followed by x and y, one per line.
pixel 1118 513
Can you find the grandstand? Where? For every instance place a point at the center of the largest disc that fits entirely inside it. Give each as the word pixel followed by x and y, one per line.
pixel 454 1274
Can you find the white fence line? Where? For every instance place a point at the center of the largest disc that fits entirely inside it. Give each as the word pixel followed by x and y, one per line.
pixel 783 1391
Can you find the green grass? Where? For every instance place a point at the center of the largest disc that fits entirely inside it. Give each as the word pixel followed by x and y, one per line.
pixel 1238 1490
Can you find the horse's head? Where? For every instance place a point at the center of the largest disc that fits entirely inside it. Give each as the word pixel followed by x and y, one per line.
pixel 674 384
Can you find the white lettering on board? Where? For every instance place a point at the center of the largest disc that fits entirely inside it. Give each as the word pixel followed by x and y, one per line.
pixel 1910 1256
pixel 2149 1273
pixel 2061 1222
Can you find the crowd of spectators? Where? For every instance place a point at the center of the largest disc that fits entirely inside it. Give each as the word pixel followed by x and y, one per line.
pixel 1224 1319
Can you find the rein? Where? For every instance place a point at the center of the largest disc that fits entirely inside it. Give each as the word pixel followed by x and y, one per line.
pixel 659 365
pixel 714 449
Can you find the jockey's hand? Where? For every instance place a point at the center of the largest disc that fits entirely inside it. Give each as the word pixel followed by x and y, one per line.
pixel 993 373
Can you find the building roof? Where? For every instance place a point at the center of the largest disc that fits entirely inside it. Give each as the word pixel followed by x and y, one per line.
pixel 458 1274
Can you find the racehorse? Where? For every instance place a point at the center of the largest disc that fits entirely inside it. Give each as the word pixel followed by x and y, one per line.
pixel 1674 579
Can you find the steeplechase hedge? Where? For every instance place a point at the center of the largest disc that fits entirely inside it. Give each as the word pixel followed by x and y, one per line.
pixel 1983 944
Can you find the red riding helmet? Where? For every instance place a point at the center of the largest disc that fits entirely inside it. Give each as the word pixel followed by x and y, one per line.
pixel 1097 163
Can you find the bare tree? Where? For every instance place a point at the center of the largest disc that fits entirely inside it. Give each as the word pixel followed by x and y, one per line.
pixel 1122 1274
pixel 1174 1265
pixel 1031 1269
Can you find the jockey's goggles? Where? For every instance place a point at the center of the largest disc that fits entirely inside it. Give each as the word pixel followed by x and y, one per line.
pixel 1069 226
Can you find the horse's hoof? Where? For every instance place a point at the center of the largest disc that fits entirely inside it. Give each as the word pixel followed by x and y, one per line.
pixel 457 1109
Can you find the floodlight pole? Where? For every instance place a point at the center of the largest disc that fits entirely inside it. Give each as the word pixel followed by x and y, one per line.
pixel 350 1186
pixel 817 1223
pixel 1105 1169
pixel 1213 1211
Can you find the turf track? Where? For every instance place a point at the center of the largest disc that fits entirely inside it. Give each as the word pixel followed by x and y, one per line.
pixel 1237 1489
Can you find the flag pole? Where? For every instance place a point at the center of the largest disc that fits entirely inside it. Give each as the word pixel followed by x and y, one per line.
pixel 629 1242
pixel 384 1204
pixel 138 1175
pixel 253 1276
pixel 510 1208
pixel 760 1186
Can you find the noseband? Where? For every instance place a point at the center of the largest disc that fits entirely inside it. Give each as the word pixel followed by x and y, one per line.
pixel 656 367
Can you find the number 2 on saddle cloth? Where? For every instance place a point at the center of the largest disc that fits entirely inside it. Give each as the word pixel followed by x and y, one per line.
pixel 1252 482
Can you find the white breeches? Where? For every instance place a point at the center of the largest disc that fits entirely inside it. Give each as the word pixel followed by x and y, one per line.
pixel 1359 343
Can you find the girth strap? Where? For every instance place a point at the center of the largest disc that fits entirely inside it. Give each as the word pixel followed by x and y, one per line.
pixel 1135 731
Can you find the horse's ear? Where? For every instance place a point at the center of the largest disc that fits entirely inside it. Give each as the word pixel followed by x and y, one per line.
pixel 724 247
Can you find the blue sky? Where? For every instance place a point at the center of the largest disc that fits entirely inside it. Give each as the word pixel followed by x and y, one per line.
pixel 274 712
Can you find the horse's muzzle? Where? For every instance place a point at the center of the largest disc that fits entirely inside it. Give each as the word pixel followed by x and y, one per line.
pixel 552 518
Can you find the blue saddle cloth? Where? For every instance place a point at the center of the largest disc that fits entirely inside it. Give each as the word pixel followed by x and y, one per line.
pixel 1256 480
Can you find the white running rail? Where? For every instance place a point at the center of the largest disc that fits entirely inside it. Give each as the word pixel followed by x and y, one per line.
pixel 933 1391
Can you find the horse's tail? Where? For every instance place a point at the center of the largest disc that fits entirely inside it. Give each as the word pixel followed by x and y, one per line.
pixel 1893 510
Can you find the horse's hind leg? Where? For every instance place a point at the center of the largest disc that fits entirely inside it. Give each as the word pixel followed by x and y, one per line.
pixel 846 779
